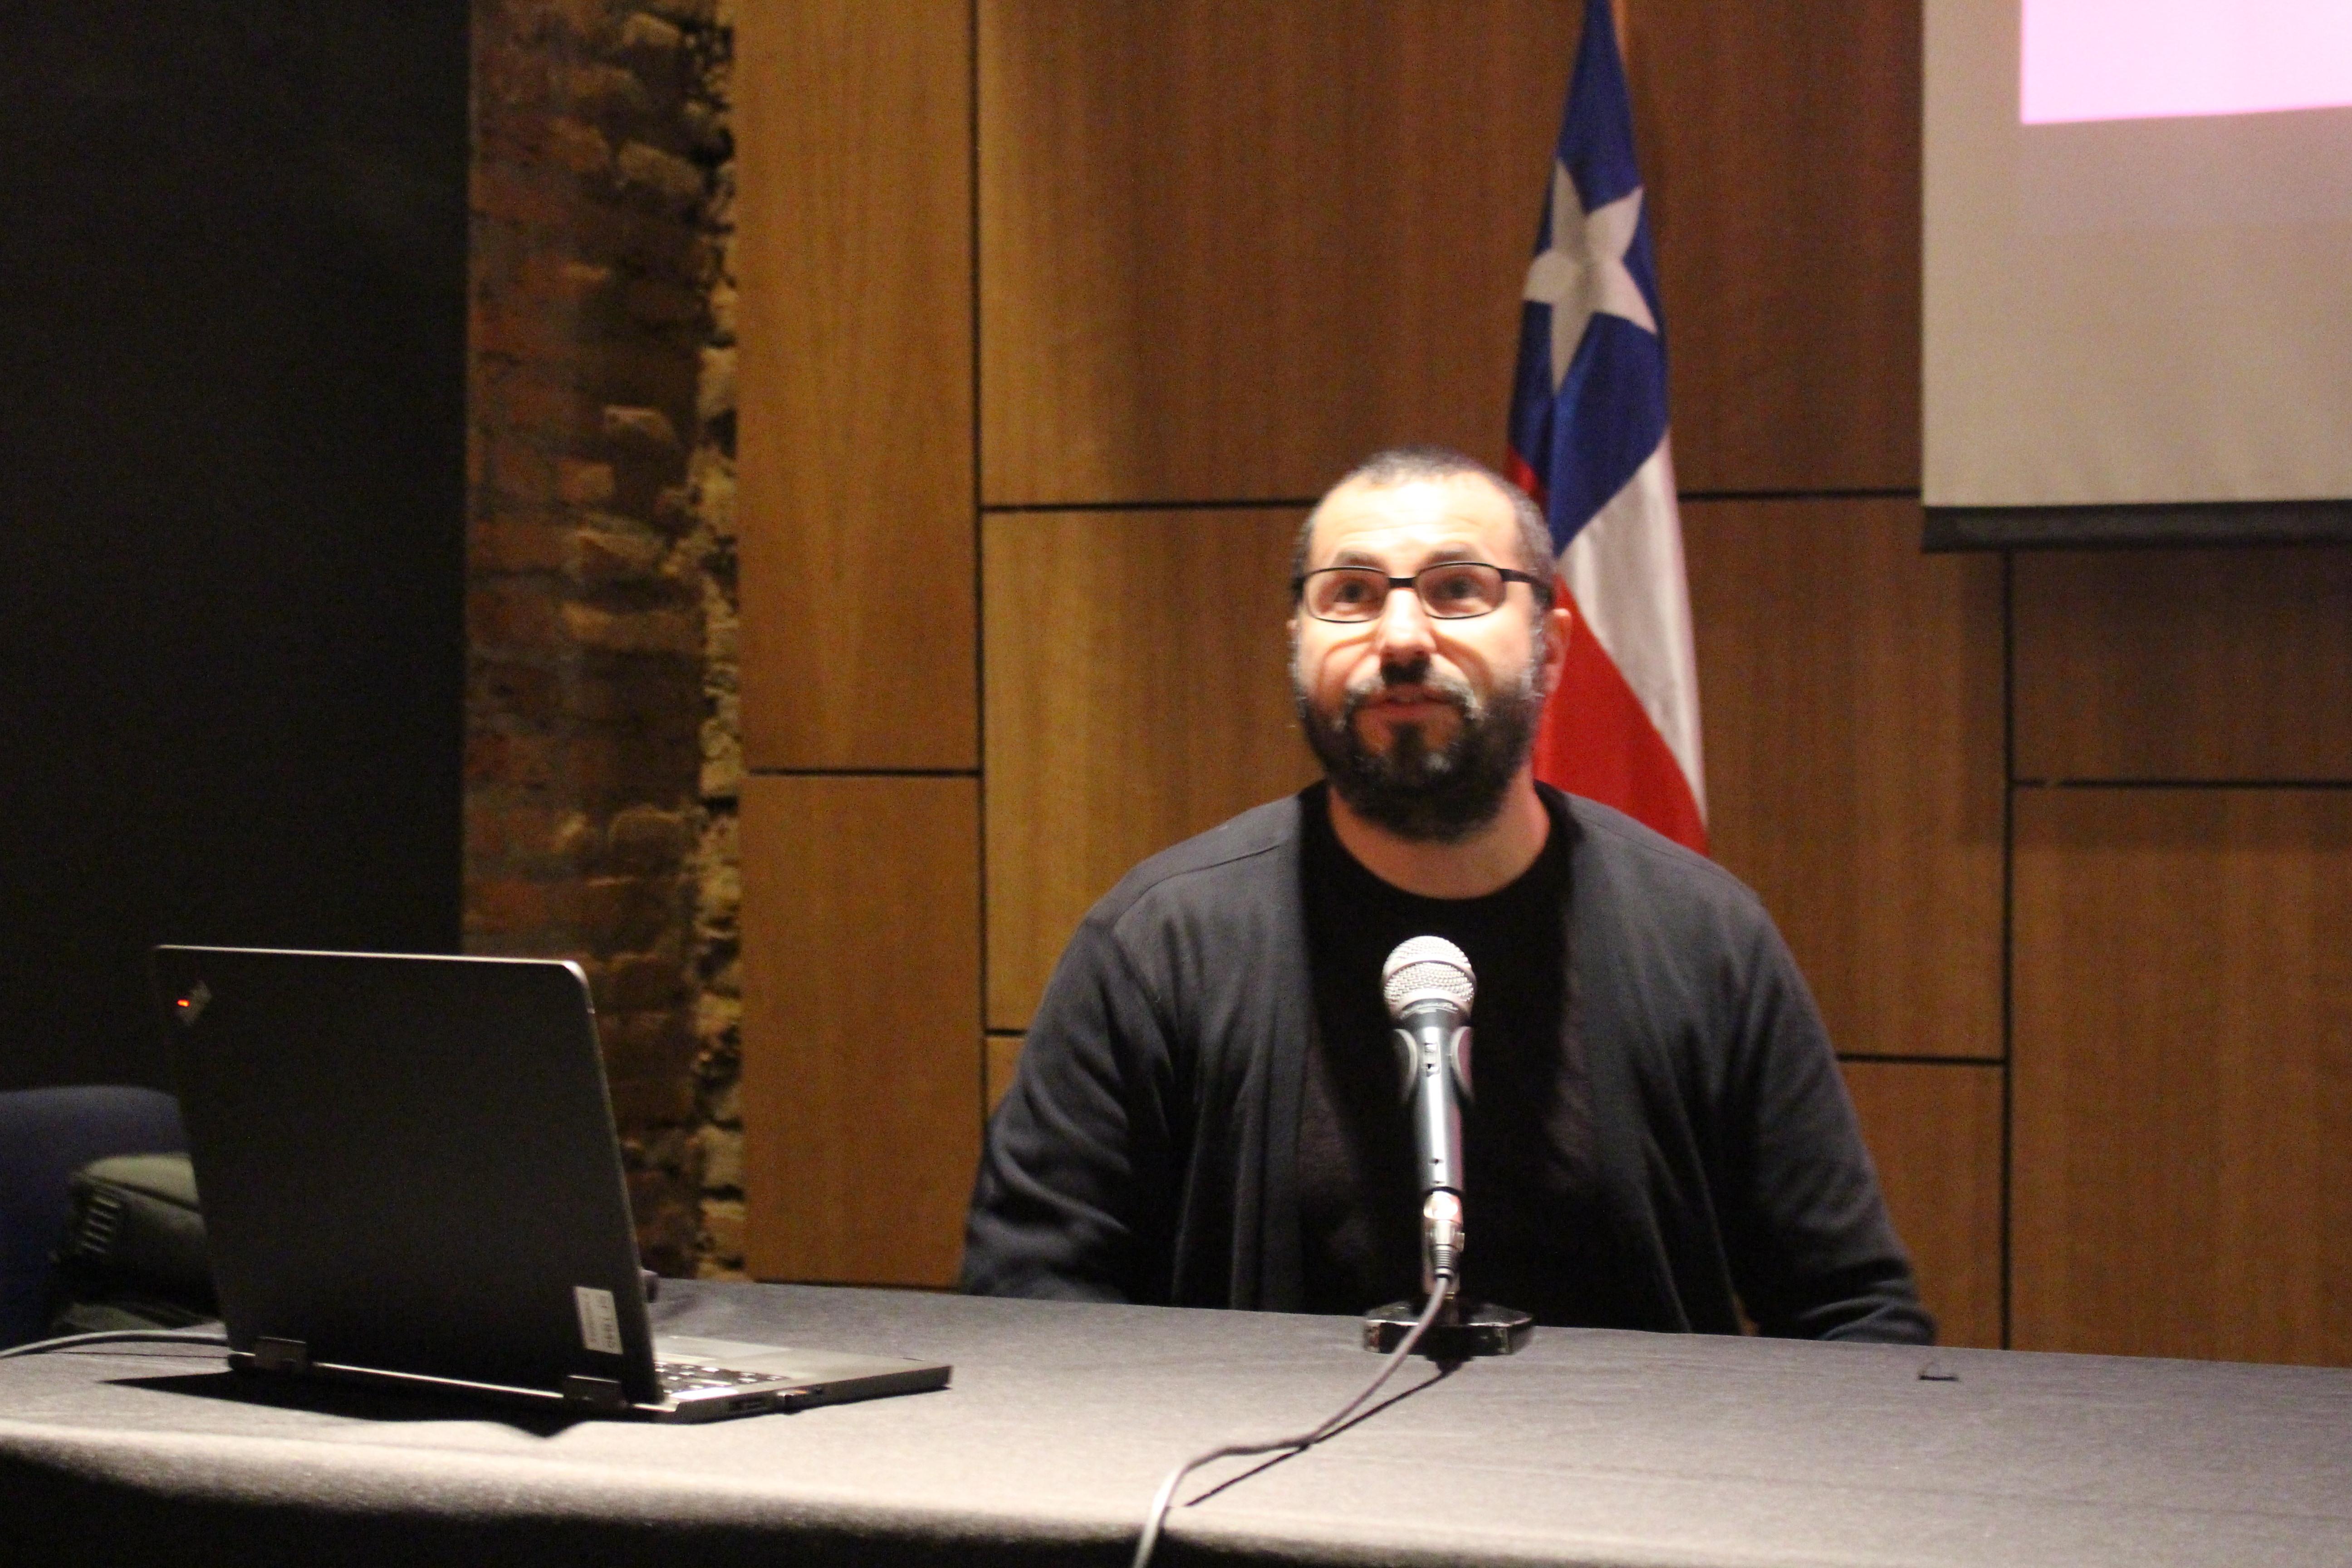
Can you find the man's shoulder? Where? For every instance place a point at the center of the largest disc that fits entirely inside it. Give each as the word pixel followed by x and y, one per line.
pixel 1629 862
pixel 1255 852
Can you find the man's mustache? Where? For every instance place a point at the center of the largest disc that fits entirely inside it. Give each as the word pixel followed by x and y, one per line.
pixel 1416 680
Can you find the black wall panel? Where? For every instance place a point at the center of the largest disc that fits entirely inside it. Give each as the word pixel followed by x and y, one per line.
pixel 232 485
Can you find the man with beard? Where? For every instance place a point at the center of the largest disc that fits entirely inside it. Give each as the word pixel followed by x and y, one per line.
pixel 1207 1108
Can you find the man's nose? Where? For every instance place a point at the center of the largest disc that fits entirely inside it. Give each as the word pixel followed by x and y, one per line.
pixel 1404 633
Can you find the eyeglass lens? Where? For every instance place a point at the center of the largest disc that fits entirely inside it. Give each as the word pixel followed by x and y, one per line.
pixel 1451 589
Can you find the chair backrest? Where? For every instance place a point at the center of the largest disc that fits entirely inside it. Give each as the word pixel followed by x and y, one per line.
pixel 46 1135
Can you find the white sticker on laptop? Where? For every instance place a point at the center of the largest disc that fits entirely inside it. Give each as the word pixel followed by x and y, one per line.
pixel 600 1321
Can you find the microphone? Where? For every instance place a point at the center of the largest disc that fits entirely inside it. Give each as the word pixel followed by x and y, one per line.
pixel 1428 987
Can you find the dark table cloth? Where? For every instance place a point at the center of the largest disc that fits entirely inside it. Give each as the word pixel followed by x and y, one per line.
pixel 1588 1448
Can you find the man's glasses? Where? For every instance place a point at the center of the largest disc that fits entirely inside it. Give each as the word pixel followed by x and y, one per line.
pixel 1449 591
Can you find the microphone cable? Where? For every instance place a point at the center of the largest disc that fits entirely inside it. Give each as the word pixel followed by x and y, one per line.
pixel 1299 1442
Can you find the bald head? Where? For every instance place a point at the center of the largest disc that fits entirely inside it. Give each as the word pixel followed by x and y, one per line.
pixel 1395 466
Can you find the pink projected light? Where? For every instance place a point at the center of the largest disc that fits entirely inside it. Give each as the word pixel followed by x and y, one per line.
pixel 2146 59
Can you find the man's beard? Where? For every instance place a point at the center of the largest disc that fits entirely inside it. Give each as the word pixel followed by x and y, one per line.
pixel 1428 796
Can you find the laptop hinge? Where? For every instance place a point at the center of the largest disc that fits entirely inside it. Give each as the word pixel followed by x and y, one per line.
pixel 280 1356
pixel 597 1392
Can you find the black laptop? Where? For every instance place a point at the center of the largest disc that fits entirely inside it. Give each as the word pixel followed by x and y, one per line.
pixel 409 1175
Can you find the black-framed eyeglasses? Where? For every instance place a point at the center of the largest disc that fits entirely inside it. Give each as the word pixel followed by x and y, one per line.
pixel 1449 591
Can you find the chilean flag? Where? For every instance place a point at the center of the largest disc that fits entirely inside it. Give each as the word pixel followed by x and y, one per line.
pixel 1589 443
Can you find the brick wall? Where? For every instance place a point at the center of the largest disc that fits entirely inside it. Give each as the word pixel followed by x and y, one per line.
pixel 601 763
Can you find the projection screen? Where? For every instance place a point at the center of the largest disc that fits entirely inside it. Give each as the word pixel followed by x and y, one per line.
pixel 2138 270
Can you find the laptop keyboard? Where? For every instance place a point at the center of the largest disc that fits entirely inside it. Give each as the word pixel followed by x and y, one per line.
pixel 696 1376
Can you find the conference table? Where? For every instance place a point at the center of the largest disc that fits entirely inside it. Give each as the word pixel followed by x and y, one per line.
pixel 1589 1446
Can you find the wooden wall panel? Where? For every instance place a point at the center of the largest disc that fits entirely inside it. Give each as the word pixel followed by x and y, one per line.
pixel 1138 693
pixel 855 501
pixel 1935 1131
pixel 2184 664
pixel 1851 694
pixel 1780 147
pixel 1228 246
pixel 2182 1179
pixel 861 914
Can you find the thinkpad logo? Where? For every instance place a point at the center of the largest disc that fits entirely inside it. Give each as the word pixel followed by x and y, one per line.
pixel 191 1007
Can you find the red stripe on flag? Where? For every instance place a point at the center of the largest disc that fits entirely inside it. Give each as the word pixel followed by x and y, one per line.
pixel 1520 474
pixel 1597 741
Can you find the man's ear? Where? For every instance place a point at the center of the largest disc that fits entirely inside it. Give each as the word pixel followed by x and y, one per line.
pixel 1559 623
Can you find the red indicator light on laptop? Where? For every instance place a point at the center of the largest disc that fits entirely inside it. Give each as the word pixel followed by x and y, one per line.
pixel 188 1008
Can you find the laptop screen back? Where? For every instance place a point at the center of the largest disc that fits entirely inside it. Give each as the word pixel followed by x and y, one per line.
pixel 408 1164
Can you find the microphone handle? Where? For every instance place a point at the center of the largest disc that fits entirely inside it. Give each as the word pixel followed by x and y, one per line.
pixel 1428 1033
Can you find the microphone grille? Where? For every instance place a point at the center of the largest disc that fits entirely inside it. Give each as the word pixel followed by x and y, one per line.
pixel 1426 965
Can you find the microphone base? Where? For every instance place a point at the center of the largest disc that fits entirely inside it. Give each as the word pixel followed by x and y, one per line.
pixel 1463 1332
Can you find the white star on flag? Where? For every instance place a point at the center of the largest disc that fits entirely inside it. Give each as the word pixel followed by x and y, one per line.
pixel 1583 274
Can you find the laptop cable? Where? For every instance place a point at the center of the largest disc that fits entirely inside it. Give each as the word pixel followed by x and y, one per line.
pixel 120 1336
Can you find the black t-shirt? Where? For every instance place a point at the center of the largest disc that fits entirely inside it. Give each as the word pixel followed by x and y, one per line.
pixel 1526 1131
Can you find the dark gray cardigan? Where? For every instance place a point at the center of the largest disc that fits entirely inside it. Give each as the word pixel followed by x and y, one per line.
pixel 1147 1150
